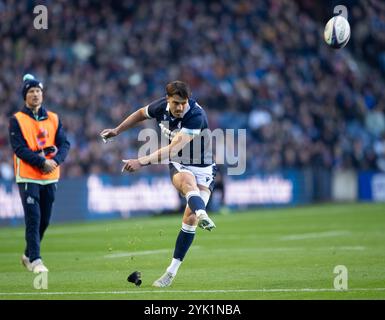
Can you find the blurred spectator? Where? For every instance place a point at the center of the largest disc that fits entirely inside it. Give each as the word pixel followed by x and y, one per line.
pixel 375 122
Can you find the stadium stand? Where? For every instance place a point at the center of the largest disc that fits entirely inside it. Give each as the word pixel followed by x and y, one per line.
pixel 259 65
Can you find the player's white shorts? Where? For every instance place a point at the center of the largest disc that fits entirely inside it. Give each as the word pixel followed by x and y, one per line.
pixel 204 176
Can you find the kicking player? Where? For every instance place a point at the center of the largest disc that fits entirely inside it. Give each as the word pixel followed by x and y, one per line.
pixel 192 173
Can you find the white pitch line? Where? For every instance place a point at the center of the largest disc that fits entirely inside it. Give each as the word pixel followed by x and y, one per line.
pixel 137 253
pixel 360 248
pixel 189 291
pixel 287 249
pixel 140 253
pixel 316 235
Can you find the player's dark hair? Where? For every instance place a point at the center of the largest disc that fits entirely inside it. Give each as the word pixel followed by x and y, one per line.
pixel 178 87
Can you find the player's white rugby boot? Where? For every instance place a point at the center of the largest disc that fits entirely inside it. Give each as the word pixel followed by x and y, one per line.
pixel 26 263
pixel 204 221
pixel 38 266
pixel 164 281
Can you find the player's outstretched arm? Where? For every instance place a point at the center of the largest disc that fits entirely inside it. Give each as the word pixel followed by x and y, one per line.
pixel 177 144
pixel 129 122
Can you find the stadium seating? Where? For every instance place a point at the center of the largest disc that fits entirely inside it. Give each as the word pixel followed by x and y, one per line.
pixel 260 65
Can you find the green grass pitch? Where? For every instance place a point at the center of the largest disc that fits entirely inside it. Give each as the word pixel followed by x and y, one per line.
pixel 261 254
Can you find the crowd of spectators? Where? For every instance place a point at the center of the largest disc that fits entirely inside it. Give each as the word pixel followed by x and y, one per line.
pixel 260 65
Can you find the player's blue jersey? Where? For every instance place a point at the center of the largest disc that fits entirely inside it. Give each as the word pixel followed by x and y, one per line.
pixel 194 122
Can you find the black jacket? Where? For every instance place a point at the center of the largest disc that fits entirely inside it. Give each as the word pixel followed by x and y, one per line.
pixel 20 146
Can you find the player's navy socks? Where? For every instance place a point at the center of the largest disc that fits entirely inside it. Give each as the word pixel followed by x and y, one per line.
pixel 195 201
pixel 184 241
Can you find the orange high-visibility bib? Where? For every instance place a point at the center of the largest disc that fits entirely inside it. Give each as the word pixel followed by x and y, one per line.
pixel 38 135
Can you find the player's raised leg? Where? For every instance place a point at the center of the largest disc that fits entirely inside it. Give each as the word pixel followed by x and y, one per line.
pixel 185 183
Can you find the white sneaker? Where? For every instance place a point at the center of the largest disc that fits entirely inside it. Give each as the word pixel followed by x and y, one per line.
pixel 205 222
pixel 26 263
pixel 38 266
pixel 164 281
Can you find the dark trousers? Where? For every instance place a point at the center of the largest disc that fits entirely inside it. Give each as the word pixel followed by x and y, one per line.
pixel 37 203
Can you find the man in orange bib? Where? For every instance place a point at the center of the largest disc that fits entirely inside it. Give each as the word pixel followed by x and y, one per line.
pixel 40 145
